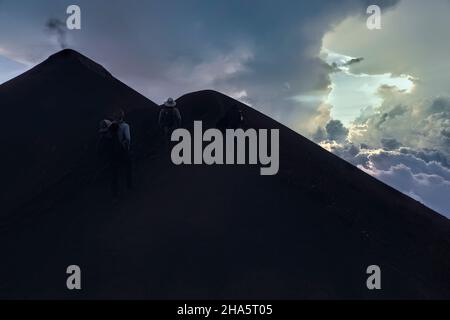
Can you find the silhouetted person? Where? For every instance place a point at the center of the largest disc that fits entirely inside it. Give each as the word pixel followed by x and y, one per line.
pixel 233 119
pixel 169 118
pixel 120 153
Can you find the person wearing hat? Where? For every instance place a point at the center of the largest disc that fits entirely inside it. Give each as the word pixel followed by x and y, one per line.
pixel 169 118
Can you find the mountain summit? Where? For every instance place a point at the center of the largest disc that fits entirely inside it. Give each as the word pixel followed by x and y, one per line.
pixel 53 111
pixel 311 231
pixel 70 56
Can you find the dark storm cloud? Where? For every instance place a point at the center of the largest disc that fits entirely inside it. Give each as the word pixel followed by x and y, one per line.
pixel 266 50
pixel 446 133
pixel 440 105
pixel 336 131
pixel 390 143
pixel 428 155
pixel 391 114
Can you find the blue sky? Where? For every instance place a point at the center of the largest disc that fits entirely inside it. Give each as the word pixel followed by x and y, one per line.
pixel 10 68
pixel 388 111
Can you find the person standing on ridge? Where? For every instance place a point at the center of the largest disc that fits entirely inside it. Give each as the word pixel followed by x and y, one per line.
pixel 169 118
pixel 121 163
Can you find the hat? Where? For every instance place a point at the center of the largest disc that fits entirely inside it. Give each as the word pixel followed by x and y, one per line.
pixel 170 103
pixel 104 125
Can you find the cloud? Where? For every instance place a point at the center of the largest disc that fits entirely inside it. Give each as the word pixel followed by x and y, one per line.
pixel 397 110
pixel 353 61
pixel 419 125
pixel 403 144
pixel 336 131
pixel 421 174
pixel 428 155
pixel 390 143
pixel 268 50
pixel 440 105
pixel 430 189
pixel 393 48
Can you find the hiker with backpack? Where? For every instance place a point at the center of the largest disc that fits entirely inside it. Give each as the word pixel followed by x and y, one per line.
pixel 169 118
pixel 120 152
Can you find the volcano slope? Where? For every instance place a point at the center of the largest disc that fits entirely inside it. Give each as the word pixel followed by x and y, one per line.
pixel 198 231
pixel 53 112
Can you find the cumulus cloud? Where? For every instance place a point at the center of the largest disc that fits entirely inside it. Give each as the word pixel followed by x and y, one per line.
pixel 422 124
pixel 336 131
pixel 269 50
pixel 404 142
pixel 430 189
pixel 353 61
pixel 423 175
pixel 390 143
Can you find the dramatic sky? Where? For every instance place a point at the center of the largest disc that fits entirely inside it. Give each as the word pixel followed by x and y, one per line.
pixel 378 98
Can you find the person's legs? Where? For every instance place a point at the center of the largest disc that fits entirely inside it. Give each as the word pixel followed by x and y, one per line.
pixel 166 139
pixel 167 133
pixel 128 166
pixel 169 142
pixel 115 178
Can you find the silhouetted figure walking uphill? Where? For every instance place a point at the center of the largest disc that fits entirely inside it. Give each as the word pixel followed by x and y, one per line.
pixel 169 118
pixel 120 155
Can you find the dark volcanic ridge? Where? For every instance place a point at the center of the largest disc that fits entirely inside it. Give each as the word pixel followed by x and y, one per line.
pixel 198 231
